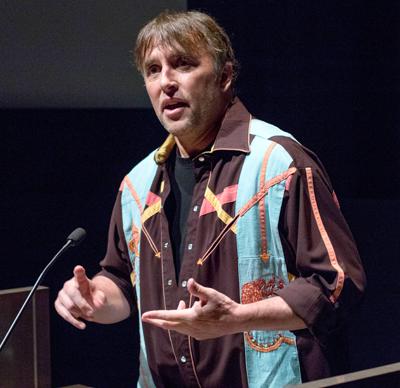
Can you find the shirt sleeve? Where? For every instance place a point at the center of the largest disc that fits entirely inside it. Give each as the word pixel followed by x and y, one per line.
pixel 116 264
pixel 320 252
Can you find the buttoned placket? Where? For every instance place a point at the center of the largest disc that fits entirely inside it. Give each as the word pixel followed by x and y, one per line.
pixel 202 170
pixel 176 291
pixel 166 259
pixel 189 267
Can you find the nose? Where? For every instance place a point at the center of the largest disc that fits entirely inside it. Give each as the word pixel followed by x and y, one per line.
pixel 168 82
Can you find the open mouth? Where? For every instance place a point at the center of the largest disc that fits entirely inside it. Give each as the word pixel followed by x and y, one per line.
pixel 175 106
pixel 174 109
pixel 170 106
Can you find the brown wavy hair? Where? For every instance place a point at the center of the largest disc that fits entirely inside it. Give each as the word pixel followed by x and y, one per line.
pixel 193 31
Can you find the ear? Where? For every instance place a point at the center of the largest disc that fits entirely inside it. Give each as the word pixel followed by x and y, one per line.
pixel 226 76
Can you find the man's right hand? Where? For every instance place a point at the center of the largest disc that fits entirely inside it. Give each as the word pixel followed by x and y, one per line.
pixel 80 298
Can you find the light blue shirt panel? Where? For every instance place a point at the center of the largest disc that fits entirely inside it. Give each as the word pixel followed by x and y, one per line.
pixel 141 177
pixel 281 366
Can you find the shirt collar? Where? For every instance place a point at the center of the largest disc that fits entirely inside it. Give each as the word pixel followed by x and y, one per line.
pixel 234 132
pixel 233 135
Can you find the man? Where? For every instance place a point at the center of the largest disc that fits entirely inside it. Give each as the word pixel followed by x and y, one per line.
pixel 241 263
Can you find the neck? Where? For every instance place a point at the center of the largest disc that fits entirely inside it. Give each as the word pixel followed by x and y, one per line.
pixel 195 143
pixel 190 148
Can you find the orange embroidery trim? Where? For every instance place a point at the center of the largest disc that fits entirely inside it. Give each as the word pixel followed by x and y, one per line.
pixel 261 206
pixel 325 237
pixel 260 289
pixel 134 242
pixel 217 240
pixel 190 349
pixel 134 193
pixel 133 278
pixel 165 308
pixel 253 201
pixel 135 196
pixel 255 291
pixel 153 246
pixel 264 190
pixel 133 246
pixel 279 340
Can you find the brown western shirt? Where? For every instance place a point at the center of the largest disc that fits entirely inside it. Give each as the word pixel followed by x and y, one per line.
pixel 176 360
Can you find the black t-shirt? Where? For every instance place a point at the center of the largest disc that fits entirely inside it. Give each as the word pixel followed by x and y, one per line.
pixel 177 206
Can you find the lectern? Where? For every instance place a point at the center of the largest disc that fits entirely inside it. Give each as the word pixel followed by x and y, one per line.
pixel 25 360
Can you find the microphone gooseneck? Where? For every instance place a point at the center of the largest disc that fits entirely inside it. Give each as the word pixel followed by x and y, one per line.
pixel 74 239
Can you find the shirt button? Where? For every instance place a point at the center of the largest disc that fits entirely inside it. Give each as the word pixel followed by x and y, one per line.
pixel 169 282
pixel 183 359
pixel 190 246
pixel 195 208
pixel 165 245
pixel 184 283
pixel 201 159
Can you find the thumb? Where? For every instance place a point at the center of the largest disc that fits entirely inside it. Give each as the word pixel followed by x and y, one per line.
pixel 98 299
pixel 199 291
pixel 181 305
pixel 82 281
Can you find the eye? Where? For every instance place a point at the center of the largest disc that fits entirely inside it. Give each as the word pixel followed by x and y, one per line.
pixel 185 63
pixel 152 70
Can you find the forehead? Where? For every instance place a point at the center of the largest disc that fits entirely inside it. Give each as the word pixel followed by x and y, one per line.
pixel 162 50
pixel 173 48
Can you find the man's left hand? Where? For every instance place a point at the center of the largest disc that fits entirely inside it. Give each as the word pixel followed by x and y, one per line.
pixel 212 314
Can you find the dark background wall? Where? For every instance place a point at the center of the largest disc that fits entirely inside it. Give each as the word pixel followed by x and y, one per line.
pixel 325 71
pixel 72 53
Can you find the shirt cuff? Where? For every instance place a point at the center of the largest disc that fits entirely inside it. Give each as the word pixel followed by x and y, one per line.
pixel 124 285
pixel 311 305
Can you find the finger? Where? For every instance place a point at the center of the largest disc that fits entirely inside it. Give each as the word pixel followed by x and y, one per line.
pixel 84 310
pixel 67 316
pixel 67 303
pixel 82 280
pixel 72 298
pixel 166 315
pixel 181 305
pixel 197 304
pixel 167 325
pixel 199 291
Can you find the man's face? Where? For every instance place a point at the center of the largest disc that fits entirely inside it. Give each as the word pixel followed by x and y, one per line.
pixel 188 97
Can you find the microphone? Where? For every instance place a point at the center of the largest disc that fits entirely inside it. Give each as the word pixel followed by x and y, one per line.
pixel 74 239
pixel 77 236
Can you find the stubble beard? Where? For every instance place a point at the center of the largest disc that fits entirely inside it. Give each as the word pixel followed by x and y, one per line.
pixel 200 121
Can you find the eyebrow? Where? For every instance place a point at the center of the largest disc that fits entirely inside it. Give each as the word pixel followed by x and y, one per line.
pixel 173 56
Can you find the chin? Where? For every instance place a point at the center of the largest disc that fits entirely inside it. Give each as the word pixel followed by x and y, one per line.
pixel 177 129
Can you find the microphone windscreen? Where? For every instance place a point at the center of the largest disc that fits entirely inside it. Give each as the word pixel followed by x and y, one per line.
pixel 77 236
